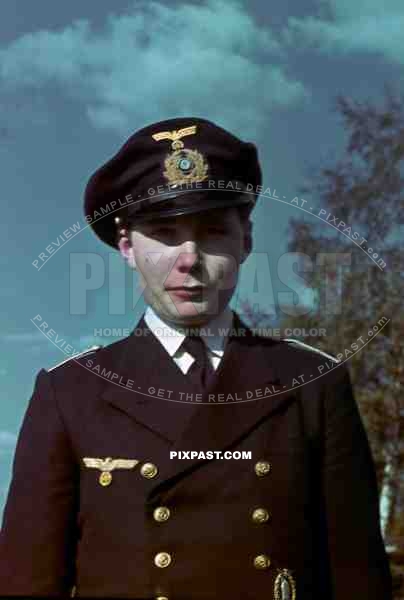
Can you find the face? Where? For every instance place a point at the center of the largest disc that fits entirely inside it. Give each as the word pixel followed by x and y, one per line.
pixel 202 250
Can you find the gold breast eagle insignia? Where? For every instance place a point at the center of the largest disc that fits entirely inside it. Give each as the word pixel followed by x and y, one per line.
pixel 107 465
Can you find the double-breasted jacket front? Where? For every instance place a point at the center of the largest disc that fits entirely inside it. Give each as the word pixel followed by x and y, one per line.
pixel 297 520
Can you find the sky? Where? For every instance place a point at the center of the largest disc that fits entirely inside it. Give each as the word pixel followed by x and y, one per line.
pixel 77 79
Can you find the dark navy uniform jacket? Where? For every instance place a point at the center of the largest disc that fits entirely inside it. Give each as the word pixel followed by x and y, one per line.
pixel 299 520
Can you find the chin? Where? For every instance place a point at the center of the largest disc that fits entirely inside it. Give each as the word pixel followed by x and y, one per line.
pixel 192 319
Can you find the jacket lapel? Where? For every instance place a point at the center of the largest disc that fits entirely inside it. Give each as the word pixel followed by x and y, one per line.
pixel 249 363
pixel 219 426
pixel 143 360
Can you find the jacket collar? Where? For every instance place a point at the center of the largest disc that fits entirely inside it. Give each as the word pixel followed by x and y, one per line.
pixel 249 363
pixel 172 338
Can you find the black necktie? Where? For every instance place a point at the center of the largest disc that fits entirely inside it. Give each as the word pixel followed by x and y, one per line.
pixel 201 369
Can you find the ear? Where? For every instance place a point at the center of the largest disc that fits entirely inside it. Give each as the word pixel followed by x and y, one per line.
pixel 126 250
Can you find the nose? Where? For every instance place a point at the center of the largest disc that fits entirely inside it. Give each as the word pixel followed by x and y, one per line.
pixel 190 245
pixel 189 255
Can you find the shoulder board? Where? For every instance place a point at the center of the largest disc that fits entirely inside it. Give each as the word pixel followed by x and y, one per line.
pixel 78 355
pixel 312 348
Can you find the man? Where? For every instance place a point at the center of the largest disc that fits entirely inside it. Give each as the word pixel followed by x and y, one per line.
pixel 97 508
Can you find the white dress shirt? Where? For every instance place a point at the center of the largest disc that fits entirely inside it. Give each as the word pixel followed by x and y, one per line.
pixel 171 339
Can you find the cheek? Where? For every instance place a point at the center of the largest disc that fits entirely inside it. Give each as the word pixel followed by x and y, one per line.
pixel 224 267
pixel 155 266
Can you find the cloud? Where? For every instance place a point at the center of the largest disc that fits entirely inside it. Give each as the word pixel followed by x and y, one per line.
pixel 156 62
pixel 364 26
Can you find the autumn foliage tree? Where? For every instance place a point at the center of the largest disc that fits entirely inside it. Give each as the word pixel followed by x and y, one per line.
pixel 358 281
pixel 364 278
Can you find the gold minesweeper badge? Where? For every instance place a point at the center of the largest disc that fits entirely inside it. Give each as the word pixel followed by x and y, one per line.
pixel 284 586
pixel 107 465
pixel 183 165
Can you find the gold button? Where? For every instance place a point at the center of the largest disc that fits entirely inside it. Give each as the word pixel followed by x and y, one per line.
pixel 161 598
pixel 105 478
pixel 149 470
pixel 260 515
pixel 262 467
pixel 162 560
pixel 262 561
pixel 161 514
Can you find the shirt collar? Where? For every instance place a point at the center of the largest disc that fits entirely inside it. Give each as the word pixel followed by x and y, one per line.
pixel 214 333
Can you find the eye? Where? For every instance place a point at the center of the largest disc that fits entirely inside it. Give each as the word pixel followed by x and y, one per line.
pixel 217 229
pixel 164 230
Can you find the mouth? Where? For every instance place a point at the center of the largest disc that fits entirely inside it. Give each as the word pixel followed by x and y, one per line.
pixel 186 288
pixel 186 292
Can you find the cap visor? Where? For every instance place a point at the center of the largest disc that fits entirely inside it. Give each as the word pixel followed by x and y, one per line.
pixel 189 203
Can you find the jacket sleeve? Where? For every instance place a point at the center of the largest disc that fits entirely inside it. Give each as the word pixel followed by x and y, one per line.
pixel 358 560
pixel 38 535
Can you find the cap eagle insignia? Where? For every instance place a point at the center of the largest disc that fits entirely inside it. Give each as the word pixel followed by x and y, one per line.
pixel 183 165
